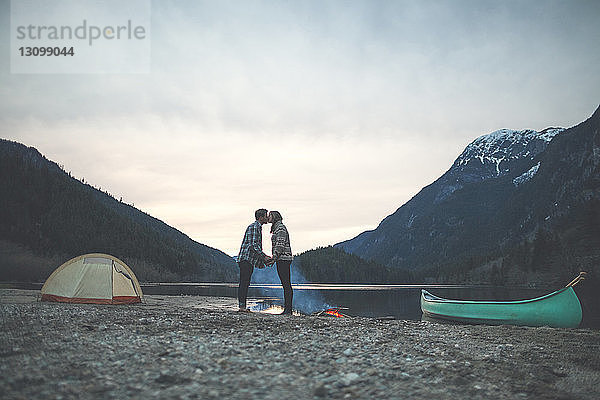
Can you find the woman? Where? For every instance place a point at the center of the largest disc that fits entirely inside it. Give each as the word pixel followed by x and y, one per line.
pixel 282 255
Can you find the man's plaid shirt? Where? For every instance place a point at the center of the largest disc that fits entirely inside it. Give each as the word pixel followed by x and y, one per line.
pixel 251 249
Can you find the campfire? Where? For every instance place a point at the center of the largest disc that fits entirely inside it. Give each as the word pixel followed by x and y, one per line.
pixel 334 312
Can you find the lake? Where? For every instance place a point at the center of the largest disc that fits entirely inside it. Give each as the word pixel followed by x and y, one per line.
pixel 375 301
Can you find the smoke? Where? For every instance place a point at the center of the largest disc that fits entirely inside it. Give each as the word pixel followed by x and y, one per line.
pixel 306 301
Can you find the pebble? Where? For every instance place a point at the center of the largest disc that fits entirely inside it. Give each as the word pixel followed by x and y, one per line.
pixel 185 348
pixel 320 390
pixel 350 378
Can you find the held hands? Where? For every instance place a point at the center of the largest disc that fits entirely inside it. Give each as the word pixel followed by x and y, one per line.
pixel 269 261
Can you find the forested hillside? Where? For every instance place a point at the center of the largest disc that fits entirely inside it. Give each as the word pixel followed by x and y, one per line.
pixel 47 217
pixel 332 265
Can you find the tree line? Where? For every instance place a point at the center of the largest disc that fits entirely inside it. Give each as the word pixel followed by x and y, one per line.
pixel 52 214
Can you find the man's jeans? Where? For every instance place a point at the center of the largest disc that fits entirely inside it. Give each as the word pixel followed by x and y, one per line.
pixel 246 270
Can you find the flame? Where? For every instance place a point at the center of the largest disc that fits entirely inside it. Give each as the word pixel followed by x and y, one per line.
pixel 335 312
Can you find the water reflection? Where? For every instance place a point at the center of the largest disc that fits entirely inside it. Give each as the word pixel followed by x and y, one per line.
pixel 268 306
pixel 375 301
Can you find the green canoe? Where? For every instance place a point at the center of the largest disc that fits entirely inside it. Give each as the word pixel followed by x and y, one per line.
pixel 560 309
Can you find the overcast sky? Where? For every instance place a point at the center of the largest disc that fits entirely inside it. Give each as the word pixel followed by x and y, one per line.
pixel 335 113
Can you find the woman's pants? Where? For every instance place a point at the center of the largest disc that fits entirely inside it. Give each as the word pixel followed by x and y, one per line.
pixel 283 270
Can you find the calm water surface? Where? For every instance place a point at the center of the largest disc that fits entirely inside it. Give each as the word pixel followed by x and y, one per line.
pixel 398 301
pixel 376 301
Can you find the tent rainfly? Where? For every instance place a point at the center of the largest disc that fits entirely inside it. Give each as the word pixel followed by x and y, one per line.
pixel 93 278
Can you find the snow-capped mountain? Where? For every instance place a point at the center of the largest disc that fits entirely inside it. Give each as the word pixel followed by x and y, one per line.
pixel 504 195
pixel 498 150
pixel 501 147
pixel 493 155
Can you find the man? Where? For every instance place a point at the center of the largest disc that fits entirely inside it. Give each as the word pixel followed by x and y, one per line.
pixel 251 255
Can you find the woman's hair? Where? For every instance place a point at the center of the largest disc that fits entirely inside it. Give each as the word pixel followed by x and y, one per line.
pixel 276 216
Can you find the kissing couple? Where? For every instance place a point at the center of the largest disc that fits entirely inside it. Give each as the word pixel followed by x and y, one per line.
pixel 251 256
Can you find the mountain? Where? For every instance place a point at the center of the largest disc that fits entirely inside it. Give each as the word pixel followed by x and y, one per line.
pixel 490 156
pixel 48 217
pixel 516 206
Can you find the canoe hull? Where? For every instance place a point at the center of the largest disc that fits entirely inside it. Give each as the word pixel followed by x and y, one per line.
pixel 560 309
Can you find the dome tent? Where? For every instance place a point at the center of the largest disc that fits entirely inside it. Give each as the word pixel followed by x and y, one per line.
pixel 93 278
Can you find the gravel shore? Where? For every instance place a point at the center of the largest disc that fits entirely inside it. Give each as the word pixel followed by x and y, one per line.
pixel 190 347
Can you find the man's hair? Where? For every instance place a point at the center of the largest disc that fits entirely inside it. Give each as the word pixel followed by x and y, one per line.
pixel 261 212
pixel 276 216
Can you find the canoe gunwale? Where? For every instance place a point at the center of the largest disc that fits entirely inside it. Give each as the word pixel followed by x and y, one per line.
pixel 431 298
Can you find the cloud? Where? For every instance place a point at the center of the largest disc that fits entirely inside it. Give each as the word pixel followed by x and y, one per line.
pixel 335 113
pixel 208 185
